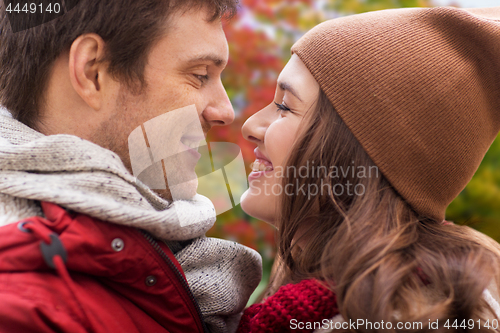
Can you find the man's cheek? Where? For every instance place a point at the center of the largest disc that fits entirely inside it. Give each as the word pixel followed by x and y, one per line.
pixel 163 149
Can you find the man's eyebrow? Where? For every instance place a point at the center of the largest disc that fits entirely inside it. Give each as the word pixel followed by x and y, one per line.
pixel 216 60
pixel 287 87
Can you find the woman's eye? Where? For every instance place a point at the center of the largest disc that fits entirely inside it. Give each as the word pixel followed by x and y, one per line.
pixel 282 107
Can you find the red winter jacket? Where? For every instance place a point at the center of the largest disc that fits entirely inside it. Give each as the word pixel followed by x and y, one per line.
pixel 96 277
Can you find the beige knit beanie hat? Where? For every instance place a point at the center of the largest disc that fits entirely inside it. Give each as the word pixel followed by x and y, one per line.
pixel 420 90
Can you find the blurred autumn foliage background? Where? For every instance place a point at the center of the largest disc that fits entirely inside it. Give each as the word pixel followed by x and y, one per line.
pixel 260 37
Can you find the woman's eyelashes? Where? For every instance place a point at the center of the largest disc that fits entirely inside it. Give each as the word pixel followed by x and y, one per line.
pixel 282 107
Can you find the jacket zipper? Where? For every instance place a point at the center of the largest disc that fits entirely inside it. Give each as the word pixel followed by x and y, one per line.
pixel 174 268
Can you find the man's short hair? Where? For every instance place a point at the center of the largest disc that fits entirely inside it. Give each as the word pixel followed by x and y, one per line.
pixel 129 28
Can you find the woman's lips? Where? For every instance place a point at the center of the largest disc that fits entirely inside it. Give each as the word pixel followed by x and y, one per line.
pixel 261 165
pixel 259 168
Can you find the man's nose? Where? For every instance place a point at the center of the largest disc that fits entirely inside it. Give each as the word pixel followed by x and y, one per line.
pixel 219 112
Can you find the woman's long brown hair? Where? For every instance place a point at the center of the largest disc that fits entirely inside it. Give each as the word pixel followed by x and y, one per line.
pixel 383 260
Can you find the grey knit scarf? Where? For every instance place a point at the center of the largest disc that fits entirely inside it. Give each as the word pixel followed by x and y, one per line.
pixel 89 179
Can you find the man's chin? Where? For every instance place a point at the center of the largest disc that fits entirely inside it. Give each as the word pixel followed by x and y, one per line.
pixel 164 194
pixel 184 191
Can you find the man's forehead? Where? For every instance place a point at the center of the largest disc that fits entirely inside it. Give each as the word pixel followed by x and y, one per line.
pixel 193 40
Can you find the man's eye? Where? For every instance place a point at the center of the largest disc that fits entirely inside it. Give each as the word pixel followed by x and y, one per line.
pixel 282 107
pixel 202 78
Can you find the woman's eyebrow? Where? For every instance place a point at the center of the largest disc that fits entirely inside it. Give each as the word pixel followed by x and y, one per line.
pixel 287 87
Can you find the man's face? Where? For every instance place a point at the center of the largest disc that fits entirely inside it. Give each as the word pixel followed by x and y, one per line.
pixel 183 69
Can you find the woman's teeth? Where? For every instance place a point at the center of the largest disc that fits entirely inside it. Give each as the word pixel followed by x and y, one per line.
pixel 260 165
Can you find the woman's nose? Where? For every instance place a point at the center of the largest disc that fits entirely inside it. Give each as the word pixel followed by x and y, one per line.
pixel 254 129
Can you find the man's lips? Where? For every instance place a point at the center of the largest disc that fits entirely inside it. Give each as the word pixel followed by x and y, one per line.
pixel 191 143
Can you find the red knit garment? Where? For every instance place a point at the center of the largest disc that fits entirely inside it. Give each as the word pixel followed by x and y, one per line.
pixel 306 301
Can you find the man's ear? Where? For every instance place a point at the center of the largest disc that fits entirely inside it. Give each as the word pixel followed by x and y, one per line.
pixel 85 70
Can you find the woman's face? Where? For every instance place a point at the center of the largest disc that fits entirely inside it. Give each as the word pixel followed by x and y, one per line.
pixel 274 130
